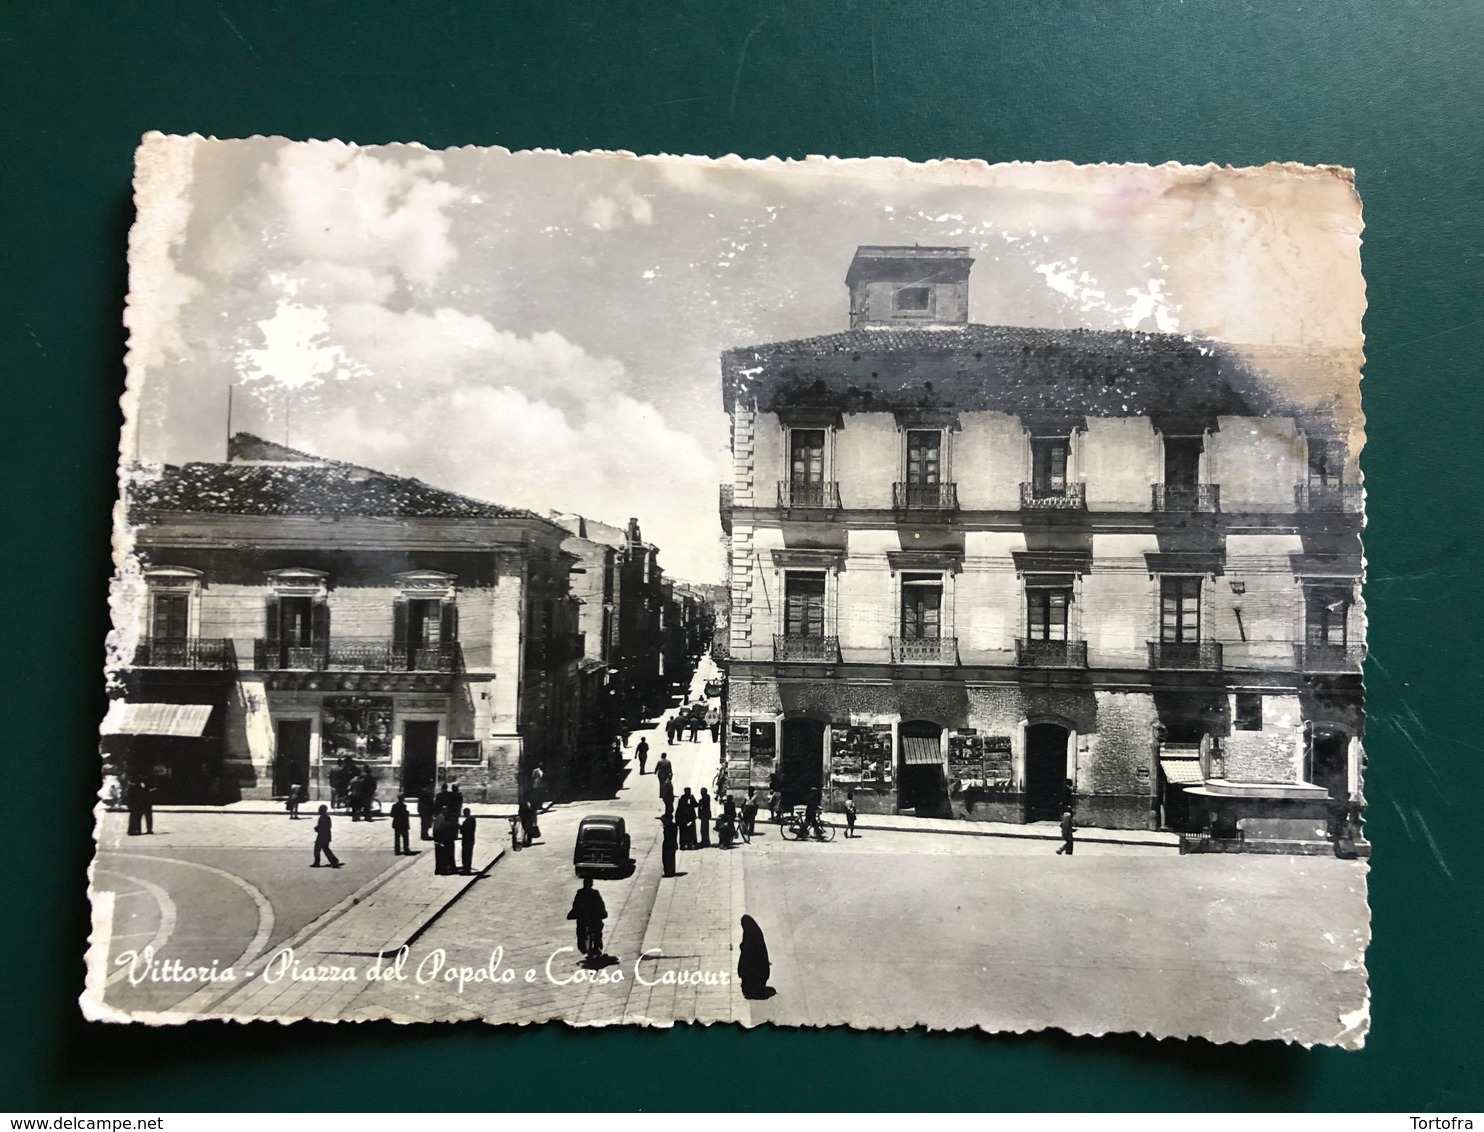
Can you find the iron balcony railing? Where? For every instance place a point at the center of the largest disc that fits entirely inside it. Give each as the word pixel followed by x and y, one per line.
pixel 808 496
pixel 925 496
pixel 724 507
pixel 1197 497
pixel 1328 657
pixel 197 652
pixel 1044 497
pixel 1327 497
pixel 793 649
pixel 1199 656
pixel 924 650
pixel 355 654
pixel 1050 654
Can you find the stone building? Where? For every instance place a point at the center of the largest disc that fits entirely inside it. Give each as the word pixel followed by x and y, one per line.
pixel 990 572
pixel 284 612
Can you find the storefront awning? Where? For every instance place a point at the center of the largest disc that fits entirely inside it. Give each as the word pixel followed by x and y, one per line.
pixel 1182 772
pixel 181 720
pixel 918 750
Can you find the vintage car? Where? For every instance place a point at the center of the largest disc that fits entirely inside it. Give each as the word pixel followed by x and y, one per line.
pixel 602 846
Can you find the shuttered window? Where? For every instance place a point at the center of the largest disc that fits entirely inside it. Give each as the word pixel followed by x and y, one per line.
pixel 171 617
pixel 803 606
pixel 806 455
pixel 1049 464
pixel 1327 615
pixel 922 607
pixel 1180 610
pixel 1046 613
pixel 924 456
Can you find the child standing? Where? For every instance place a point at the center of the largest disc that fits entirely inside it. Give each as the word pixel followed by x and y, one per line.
pixel 850 813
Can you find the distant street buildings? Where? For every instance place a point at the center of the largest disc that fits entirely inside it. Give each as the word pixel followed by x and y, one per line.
pixel 289 612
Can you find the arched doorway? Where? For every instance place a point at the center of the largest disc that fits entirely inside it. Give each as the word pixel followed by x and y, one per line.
pixel 800 760
pixel 921 785
pixel 1045 771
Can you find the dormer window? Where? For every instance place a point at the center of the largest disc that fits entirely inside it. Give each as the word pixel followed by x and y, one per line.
pixel 913 300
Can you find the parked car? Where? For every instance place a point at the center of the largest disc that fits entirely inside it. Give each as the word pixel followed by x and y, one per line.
pixel 602 846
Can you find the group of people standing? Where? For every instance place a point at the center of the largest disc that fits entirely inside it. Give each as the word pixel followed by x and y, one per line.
pixel 444 820
pixel 692 720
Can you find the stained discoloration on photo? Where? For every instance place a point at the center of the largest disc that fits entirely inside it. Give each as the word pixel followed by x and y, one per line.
pixel 603 589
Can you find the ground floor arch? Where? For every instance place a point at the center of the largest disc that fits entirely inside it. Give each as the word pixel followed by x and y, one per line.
pixel 1045 770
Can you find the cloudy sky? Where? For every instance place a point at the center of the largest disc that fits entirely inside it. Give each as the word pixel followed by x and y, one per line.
pixel 543 330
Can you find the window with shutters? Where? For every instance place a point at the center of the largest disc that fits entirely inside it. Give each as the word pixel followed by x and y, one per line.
pixel 296 621
pixel 924 456
pixel 1046 612
pixel 1326 464
pixel 806 455
pixel 424 622
pixel 171 617
pixel 1180 610
pixel 1327 615
pixel 922 607
pixel 1049 458
pixel 803 605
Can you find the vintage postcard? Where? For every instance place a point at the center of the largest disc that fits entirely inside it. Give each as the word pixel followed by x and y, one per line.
pixel 609 589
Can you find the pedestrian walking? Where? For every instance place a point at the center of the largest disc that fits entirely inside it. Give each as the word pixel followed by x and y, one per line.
pixel 642 752
pixel 445 831
pixel 322 840
pixel 685 816
pixel 713 721
pixel 466 842
pixel 703 813
pixel 726 825
pixel 529 829
pixel 136 804
pixel 666 775
pixel 425 811
pixel 670 725
pixel 401 827
pixel 749 812
pixel 667 846
pixel 1067 832
pixel 753 967
pixel 292 802
pixel 362 791
pixel 589 912
pixel 775 803
pixel 695 723
pixel 850 813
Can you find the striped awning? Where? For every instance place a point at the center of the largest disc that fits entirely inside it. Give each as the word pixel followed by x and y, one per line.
pixel 181 720
pixel 917 750
pixel 1182 772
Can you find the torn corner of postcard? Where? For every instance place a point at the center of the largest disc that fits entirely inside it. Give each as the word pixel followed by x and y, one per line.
pixel 613 589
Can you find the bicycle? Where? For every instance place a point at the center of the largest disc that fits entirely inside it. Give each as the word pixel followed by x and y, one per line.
pixel 798 826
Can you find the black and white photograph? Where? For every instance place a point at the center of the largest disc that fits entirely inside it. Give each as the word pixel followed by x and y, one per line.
pixel 604 589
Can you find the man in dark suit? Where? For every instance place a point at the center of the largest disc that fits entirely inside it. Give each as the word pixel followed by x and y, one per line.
pixel 466 842
pixel 401 827
pixel 425 811
pixel 322 840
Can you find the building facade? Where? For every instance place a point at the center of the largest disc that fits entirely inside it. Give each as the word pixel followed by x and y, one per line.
pixel 297 612
pixel 992 572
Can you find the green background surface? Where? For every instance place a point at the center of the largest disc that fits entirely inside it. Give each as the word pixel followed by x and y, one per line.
pixel 1390 87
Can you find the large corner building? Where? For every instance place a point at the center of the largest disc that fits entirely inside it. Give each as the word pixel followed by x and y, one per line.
pixel 991 572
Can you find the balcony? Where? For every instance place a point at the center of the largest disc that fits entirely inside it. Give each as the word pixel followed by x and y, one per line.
pixel 199 652
pixel 924 650
pixel 820 498
pixel 1195 498
pixel 1327 498
pixel 355 654
pixel 724 507
pixel 1044 497
pixel 1328 658
pixel 789 649
pixel 924 498
pixel 1185 656
pixel 1050 654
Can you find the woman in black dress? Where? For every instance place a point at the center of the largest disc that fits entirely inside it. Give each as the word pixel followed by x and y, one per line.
pixel 753 967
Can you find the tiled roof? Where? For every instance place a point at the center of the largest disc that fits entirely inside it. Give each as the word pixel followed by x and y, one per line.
pixel 1006 368
pixel 303 489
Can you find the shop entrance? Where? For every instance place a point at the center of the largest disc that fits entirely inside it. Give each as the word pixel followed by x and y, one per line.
pixel 1329 761
pixel 291 758
pixel 800 760
pixel 419 756
pixel 1045 771
pixel 921 785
